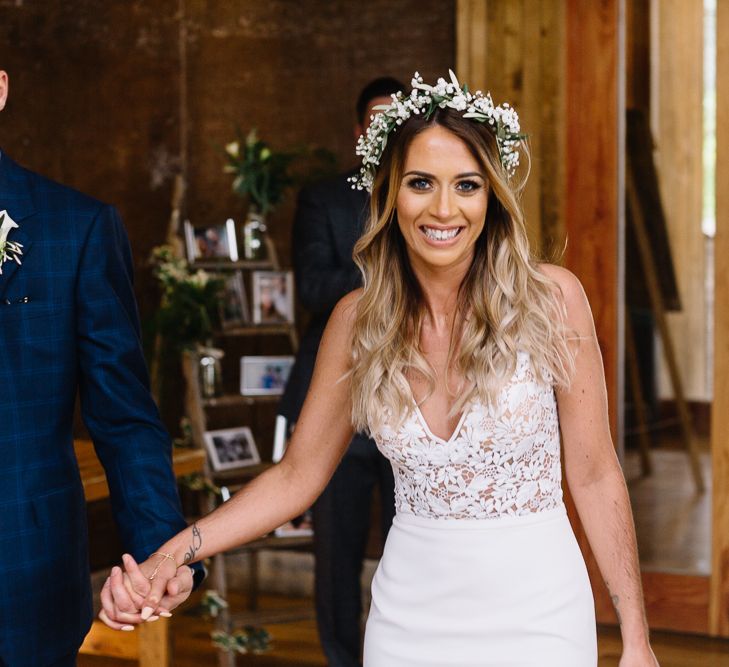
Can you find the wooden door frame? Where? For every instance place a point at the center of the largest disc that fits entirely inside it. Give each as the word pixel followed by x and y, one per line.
pixel 719 584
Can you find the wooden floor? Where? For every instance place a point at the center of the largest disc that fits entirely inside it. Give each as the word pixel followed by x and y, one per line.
pixel 672 521
pixel 297 645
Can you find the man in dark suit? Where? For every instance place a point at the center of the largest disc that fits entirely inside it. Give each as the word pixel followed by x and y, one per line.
pixel 329 220
pixel 68 324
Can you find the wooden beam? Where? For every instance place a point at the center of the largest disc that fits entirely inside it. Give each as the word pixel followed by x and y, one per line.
pixel 719 605
pixel 594 196
pixel 471 42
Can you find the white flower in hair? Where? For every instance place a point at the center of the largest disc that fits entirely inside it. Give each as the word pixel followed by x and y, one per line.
pixel 425 99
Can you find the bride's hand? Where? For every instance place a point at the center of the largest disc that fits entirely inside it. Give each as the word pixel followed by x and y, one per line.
pixel 169 587
pixel 129 597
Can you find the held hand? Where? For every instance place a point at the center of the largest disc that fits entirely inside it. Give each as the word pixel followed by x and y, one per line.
pixel 120 602
pixel 166 586
pixel 127 592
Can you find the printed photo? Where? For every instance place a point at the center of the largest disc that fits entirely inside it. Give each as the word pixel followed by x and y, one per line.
pixel 273 297
pixel 234 305
pixel 301 526
pixel 212 243
pixel 231 448
pixel 261 376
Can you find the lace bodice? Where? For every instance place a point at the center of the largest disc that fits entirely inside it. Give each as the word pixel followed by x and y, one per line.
pixel 502 460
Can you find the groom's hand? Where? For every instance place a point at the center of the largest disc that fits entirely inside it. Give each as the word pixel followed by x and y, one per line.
pixel 120 603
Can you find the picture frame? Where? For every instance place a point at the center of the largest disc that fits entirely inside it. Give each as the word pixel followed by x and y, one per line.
pixel 273 297
pixel 264 376
pixel 301 526
pixel 234 303
pixel 213 243
pixel 231 448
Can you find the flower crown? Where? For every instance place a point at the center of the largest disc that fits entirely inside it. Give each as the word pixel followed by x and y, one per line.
pixel 425 99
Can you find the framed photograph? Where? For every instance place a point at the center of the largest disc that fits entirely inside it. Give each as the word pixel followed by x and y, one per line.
pixel 231 448
pixel 234 304
pixel 262 376
pixel 273 297
pixel 301 526
pixel 212 243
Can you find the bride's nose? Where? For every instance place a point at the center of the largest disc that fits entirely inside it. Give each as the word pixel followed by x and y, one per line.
pixel 442 205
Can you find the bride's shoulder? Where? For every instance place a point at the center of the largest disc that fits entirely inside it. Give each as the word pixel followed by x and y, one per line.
pixel 341 321
pixel 570 291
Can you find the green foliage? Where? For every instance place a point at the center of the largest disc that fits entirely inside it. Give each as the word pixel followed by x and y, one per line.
pixel 246 640
pixel 263 175
pixel 198 482
pixel 190 307
pixel 260 173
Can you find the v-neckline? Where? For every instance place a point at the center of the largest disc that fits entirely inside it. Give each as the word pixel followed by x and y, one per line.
pixel 425 426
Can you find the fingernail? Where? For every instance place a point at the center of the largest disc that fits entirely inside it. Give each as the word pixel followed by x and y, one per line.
pixel 127 628
pixel 115 570
pixel 165 614
pixel 152 618
pixel 146 613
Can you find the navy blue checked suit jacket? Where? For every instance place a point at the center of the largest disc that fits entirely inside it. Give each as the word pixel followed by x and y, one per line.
pixel 68 324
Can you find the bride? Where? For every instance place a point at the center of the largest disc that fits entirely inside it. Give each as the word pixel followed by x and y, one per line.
pixel 464 359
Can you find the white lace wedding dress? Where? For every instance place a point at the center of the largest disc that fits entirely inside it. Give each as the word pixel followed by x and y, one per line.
pixel 481 567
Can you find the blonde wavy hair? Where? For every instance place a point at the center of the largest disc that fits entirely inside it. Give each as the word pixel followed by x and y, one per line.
pixel 505 304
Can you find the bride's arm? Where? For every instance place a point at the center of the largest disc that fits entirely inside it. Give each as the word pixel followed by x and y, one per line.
pixel 286 490
pixel 595 477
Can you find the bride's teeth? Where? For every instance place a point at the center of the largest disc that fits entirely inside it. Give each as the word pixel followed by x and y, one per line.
pixel 439 234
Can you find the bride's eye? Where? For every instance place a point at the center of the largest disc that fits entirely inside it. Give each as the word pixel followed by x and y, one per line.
pixel 418 183
pixel 468 186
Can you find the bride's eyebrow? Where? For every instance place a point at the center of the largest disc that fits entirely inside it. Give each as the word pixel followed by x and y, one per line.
pixel 425 174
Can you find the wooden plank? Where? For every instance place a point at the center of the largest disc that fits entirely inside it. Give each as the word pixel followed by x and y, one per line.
pixel 153 644
pixel 471 42
pixel 594 204
pixel 676 601
pixel 719 607
pixel 678 133
pixel 102 640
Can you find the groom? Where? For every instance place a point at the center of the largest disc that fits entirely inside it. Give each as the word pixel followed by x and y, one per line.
pixel 68 324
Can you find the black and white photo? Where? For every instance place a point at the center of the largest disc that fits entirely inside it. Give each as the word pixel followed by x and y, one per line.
pixel 231 448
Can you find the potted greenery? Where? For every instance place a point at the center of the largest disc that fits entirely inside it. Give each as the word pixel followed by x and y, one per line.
pixel 262 175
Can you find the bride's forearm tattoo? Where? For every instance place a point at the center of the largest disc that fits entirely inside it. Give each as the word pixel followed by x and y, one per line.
pixel 196 544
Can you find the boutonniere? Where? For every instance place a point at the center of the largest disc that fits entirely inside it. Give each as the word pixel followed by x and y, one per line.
pixel 9 250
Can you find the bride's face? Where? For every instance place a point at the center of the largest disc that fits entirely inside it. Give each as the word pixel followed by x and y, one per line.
pixel 442 200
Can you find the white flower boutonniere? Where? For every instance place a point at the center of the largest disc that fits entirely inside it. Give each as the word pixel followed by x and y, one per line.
pixel 9 250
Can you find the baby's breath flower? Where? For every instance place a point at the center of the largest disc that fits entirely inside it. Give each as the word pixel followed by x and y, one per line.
pixel 424 98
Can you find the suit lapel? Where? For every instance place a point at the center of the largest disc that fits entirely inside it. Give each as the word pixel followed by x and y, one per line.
pixel 16 197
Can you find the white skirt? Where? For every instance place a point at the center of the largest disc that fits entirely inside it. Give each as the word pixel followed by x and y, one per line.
pixel 507 592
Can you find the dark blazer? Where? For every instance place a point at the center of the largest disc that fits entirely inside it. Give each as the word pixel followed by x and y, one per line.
pixel 329 220
pixel 68 324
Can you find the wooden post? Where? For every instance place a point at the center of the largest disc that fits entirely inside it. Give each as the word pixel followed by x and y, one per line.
pixel 719 588
pixel 594 198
